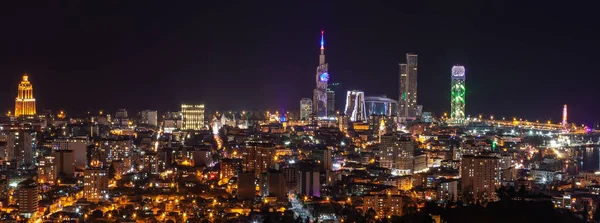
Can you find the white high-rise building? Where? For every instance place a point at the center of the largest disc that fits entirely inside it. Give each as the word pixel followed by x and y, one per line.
pixel 355 106
pixel 305 108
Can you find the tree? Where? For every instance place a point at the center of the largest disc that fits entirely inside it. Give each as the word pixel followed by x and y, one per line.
pixel 97 214
pixel 522 192
pixel 370 215
pixel 511 192
pixel 501 192
pixel 596 215
pixel 450 203
pixel 408 209
pixel 467 197
pixel 586 211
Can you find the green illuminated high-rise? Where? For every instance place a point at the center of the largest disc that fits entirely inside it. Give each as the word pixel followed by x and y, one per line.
pixel 457 98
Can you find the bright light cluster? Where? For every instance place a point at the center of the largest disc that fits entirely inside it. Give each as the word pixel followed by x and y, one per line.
pixel 458 71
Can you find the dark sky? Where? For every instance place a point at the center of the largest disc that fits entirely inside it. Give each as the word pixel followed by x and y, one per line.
pixel 522 59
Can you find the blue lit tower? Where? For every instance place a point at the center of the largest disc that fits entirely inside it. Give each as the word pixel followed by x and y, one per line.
pixel 457 98
pixel 320 93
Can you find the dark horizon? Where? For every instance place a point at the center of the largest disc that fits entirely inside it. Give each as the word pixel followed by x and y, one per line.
pixel 521 59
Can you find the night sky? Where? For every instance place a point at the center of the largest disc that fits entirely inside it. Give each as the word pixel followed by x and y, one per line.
pixel 522 59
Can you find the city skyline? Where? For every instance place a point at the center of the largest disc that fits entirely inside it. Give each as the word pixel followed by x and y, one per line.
pixel 353 64
pixel 450 111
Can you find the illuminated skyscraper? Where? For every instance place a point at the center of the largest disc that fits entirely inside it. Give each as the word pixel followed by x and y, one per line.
pixel 457 98
pixel 25 103
pixel 397 152
pixel 192 116
pixel 408 88
pixel 95 184
pixel 28 198
pixel 320 93
pixel 480 176
pixel 46 170
pixel 305 108
pixel 355 106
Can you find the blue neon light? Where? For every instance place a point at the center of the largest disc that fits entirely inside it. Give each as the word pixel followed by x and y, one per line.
pixel 324 77
pixel 322 40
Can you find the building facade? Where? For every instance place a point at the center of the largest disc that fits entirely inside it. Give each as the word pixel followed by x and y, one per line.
pixel 77 144
pixel 149 117
pixel 28 198
pixel 63 160
pixel 46 170
pixel 381 105
pixel 330 102
pixel 192 116
pixel 273 184
pixel 480 176
pixel 25 102
pixel 95 184
pixel 309 180
pixel 407 100
pixel 396 152
pixel 305 108
pixel 19 147
pixel 355 106
pixel 246 184
pixel 383 205
pixel 258 158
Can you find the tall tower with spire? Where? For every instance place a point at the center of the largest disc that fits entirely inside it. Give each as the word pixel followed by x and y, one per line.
pixel 322 77
pixel 25 102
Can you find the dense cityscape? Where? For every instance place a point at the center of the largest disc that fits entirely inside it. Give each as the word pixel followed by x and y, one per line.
pixel 377 159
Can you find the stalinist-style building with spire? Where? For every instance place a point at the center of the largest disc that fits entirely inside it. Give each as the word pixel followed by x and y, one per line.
pixel 25 103
pixel 320 93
